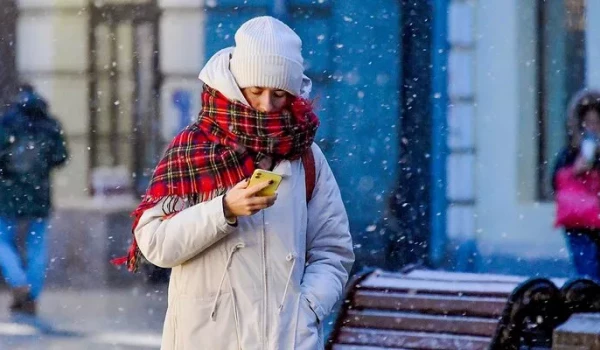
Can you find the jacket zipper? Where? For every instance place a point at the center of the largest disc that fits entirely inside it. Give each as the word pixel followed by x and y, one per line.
pixel 266 294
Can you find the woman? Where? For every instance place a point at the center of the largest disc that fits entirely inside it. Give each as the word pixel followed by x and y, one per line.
pixel 248 272
pixel 580 156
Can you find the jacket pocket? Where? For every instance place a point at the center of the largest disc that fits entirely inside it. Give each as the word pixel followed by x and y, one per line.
pixel 198 330
pixel 308 327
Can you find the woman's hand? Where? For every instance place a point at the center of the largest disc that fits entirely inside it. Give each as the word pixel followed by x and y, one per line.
pixel 581 165
pixel 242 200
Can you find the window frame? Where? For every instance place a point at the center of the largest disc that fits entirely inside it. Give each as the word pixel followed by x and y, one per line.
pixel 145 141
pixel 574 25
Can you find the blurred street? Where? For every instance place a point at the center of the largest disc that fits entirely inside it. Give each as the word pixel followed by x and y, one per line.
pixel 69 320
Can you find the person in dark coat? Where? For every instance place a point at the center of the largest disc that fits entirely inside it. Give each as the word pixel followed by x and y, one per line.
pixel 32 144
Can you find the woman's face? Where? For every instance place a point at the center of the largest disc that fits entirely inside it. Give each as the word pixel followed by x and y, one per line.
pixel 266 100
pixel 591 122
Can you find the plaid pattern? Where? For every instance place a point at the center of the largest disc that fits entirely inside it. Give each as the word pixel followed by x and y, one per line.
pixel 222 148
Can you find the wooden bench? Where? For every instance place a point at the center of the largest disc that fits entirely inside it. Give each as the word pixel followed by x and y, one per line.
pixel 580 332
pixel 582 329
pixel 431 310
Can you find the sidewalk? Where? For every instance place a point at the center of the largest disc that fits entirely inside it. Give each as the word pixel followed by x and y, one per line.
pixel 71 319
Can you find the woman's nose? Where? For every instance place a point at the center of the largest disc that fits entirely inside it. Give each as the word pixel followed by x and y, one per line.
pixel 267 104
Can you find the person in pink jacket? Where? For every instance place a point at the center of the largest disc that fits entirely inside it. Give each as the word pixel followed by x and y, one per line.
pixel 248 272
pixel 581 155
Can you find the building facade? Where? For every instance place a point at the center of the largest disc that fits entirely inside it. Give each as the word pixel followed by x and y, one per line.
pixel 513 67
pixel 121 75
pixel 124 72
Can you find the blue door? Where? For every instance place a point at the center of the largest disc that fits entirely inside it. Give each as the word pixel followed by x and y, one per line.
pixel 352 54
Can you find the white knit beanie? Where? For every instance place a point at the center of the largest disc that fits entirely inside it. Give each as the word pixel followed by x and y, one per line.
pixel 268 54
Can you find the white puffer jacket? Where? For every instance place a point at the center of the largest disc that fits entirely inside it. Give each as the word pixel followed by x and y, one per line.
pixel 266 283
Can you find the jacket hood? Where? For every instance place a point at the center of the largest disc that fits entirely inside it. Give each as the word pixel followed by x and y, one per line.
pixel 29 110
pixel 582 101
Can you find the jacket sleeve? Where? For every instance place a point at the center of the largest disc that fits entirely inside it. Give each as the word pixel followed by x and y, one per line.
pixel 329 244
pixel 59 152
pixel 565 158
pixel 169 241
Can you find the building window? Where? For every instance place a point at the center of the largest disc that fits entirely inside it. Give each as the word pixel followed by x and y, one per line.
pixel 124 132
pixel 561 73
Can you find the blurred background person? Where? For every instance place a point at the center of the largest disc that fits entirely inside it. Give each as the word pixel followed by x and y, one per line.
pixel 31 146
pixel 576 178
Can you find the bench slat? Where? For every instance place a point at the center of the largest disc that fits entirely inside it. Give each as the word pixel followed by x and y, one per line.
pixel 411 340
pixel 360 347
pixel 432 275
pixel 420 322
pixel 432 304
pixel 439 287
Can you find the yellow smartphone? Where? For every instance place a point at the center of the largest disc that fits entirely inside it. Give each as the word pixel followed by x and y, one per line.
pixel 260 176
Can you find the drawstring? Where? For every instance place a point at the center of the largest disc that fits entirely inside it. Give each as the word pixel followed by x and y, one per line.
pixel 235 313
pixel 290 257
pixel 213 313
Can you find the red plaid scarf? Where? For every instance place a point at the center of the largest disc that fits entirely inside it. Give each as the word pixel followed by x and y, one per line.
pixel 223 147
